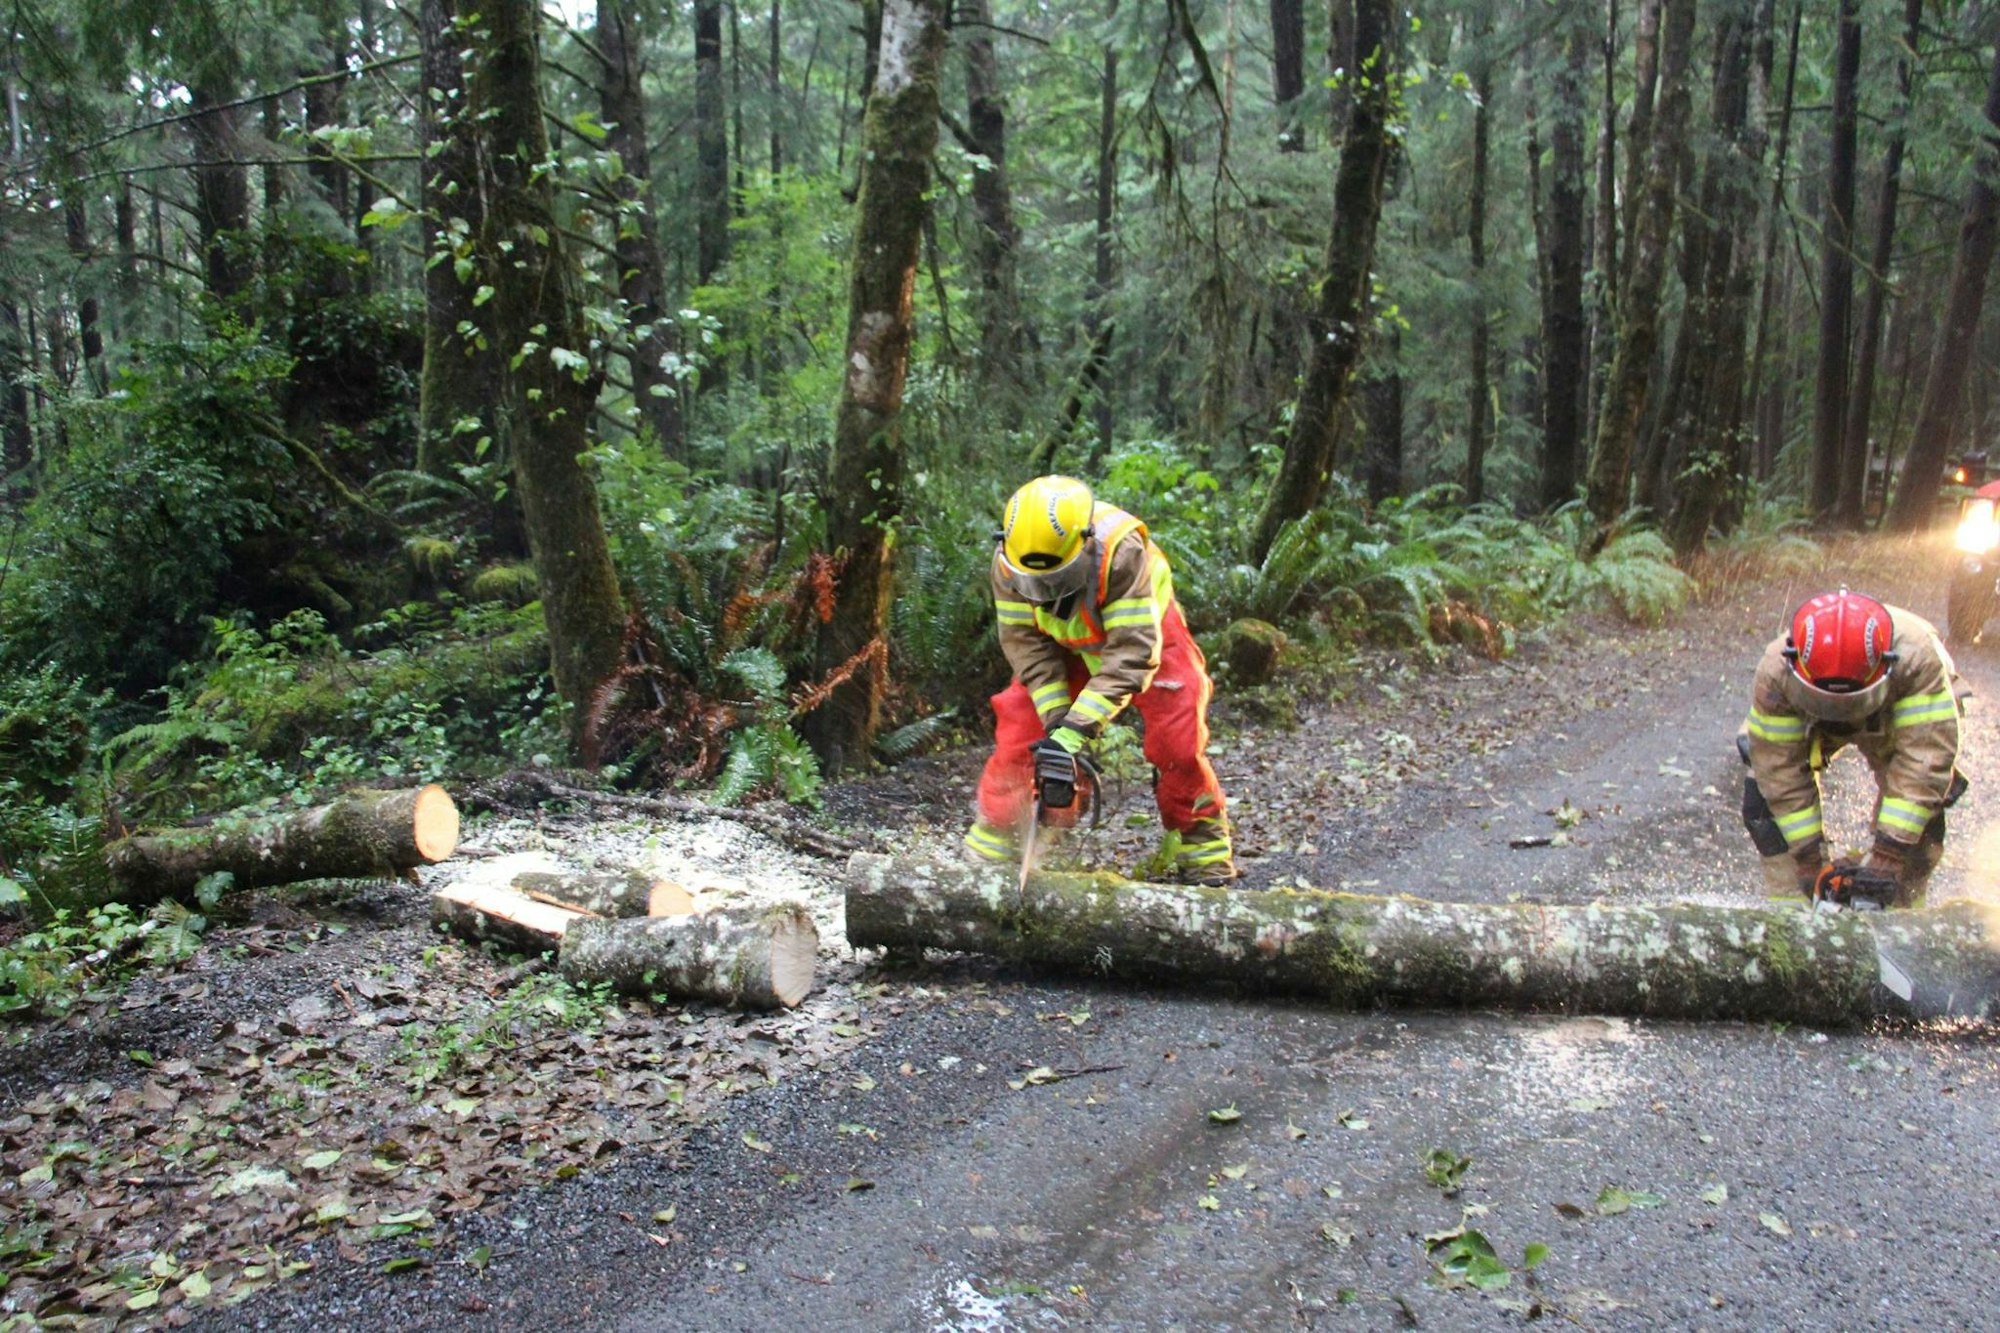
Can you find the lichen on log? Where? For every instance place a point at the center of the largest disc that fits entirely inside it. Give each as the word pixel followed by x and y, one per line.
pixel 363 834
pixel 1681 960
pixel 763 960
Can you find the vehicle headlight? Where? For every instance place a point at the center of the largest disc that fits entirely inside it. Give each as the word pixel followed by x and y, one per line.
pixel 1978 531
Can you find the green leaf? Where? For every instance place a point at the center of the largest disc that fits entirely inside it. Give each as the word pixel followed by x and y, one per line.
pixel 1532 1256
pixel 586 124
pixel 195 1286
pixel 208 890
pixel 145 1300
pixel 11 892
pixel 1209 1202
pixel 404 1264
pixel 1716 1194
pixel 1613 1200
pixel 320 1161
pixel 483 295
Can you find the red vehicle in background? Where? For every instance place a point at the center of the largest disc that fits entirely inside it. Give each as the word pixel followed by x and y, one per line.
pixel 1975 580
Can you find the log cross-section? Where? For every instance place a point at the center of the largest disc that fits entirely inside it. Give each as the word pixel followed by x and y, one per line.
pixel 363 834
pixel 1683 960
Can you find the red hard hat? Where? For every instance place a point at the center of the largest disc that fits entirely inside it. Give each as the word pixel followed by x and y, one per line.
pixel 1840 642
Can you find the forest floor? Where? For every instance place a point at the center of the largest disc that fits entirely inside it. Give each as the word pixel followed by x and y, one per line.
pixel 330 1117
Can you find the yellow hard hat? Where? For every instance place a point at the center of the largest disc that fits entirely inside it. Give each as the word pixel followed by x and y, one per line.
pixel 1044 535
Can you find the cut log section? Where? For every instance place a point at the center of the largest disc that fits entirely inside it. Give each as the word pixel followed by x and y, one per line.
pixel 761 959
pixel 486 913
pixel 364 834
pixel 1684 960
pixel 606 893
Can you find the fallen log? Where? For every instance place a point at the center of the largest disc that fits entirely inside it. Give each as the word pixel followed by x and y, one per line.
pixel 606 892
pixel 364 834
pixel 761 959
pixel 1684 960
pixel 494 914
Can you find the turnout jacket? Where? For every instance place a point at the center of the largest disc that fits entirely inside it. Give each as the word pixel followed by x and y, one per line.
pixel 1911 741
pixel 1115 626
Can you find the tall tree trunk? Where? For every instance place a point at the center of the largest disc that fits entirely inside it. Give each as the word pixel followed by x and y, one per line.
pixel 1604 245
pixel 642 276
pixel 125 322
pixel 1340 316
pixel 1340 60
pixel 865 474
pixel 1639 129
pixel 996 239
pixel 221 183
pixel 322 111
pixel 537 322
pixel 90 334
pixel 1836 268
pixel 774 90
pixel 1288 71
pixel 1938 420
pixel 461 381
pixel 17 434
pixel 1565 369
pixel 1707 454
pixel 1097 313
pixel 711 144
pixel 1861 394
pixel 1479 427
pixel 1767 267
pixel 1382 415
pixel 1639 305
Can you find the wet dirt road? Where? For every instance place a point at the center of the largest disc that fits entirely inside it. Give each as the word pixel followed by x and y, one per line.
pixel 1713 1176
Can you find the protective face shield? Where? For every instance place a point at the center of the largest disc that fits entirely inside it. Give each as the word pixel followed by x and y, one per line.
pixel 1047 545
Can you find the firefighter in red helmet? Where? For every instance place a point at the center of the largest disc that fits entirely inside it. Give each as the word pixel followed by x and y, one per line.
pixel 1852 671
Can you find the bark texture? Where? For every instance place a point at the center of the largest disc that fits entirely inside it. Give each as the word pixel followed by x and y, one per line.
pixel 1683 961
pixel 711 144
pixel 1836 269
pixel 366 834
pixel 642 278
pixel 1339 319
pixel 1639 300
pixel 1938 419
pixel 865 474
pixel 495 914
pixel 762 961
pixel 537 324
pixel 1288 71
pixel 996 239
pixel 1479 427
pixel 605 892
pixel 1565 348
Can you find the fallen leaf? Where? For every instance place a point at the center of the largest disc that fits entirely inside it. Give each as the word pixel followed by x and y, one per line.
pixel 1337 1235
pixel 1236 1172
pixel 751 1141
pixel 1775 1224
pixel 1716 1194
pixel 1612 1200
pixel 1225 1115
pixel 1209 1202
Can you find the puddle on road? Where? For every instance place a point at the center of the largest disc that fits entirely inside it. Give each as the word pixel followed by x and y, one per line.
pixel 1571 1060
pixel 963 1308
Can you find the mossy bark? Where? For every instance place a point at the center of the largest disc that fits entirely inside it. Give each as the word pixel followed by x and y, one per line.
pixel 763 960
pixel 537 325
pixel 1339 320
pixel 865 475
pixel 365 834
pixel 461 382
pixel 1682 961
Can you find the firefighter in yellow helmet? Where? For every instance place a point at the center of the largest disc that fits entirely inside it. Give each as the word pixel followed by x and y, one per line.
pixel 1089 624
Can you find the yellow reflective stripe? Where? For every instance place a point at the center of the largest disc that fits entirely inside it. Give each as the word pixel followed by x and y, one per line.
pixel 993 846
pixel 1050 696
pixel 1800 827
pixel 1131 611
pixel 1898 813
pixel 1014 613
pixel 1778 728
pixel 1204 853
pixel 1939 706
pixel 1093 707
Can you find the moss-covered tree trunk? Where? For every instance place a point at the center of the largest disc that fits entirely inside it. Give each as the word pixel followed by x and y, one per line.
pixel 642 277
pixel 537 325
pixel 1639 295
pixel 378 833
pixel 865 476
pixel 1939 416
pixel 997 239
pixel 1339 320
pixel 1684 960
pixel 461 384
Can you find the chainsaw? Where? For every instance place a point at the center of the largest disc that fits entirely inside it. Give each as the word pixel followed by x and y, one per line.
pixel 1060 778
pixel 1845 886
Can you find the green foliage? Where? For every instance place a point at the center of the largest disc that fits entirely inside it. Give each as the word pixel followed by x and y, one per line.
pixel 433 1052
pixel 290 713
pixel 44 733
pixel 136 525
pixel 46 970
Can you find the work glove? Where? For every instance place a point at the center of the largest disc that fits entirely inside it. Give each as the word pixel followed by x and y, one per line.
pixel 1059 765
